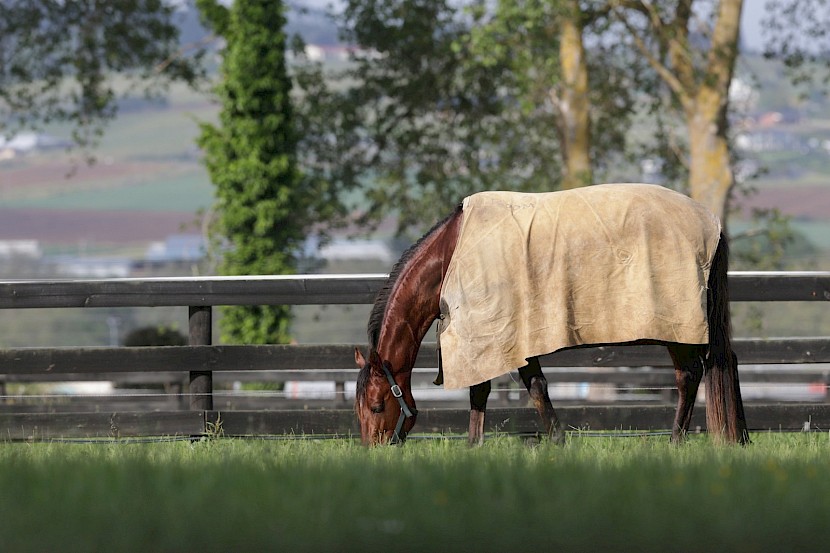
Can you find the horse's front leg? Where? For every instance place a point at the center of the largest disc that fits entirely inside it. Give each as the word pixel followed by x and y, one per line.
pixel 478 405
pixel 537 385
pixel 688 370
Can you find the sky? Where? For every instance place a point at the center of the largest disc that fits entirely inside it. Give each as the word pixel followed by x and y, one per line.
pixel 751 17
pixel 752 14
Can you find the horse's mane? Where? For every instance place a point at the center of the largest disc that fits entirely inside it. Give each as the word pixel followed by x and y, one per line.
pixel 382 299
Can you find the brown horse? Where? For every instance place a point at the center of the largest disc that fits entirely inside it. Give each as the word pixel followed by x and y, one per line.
pixel 408 304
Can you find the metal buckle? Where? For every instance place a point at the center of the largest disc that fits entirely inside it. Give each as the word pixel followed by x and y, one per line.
pixel 396 391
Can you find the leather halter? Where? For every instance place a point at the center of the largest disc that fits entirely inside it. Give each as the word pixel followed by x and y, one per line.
pixel 398 436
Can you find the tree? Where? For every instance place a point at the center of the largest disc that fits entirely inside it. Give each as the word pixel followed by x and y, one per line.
pixel 697 69
pixel 572 103
pixel 263 212
pixel 59 61
pixel 155 336
pixel 453 97
pixel 541 44
pixel 447 99
pixel 797 33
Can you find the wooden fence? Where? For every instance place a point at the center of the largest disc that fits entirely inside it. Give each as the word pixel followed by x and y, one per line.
pixel 197 408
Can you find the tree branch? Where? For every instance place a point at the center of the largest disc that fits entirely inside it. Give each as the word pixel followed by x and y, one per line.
pixel 664 72
pixel 720 61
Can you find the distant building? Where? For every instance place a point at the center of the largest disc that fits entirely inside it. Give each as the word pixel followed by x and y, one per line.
pixel 317 52
pixel 20 248
pixel 336 52
pixel 768 140
pixel 29 142
pixel 345 249
pixel 177 248
pixel 92 267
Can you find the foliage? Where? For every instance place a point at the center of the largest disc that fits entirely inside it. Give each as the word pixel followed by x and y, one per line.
pixel 58 61
pixel 693 49
pixel 263 212
pixel 527 37
pixel 797 33
pixel 446 99
pixel 313 495
pixel 443 101
pixel 155 336
pixel 765 247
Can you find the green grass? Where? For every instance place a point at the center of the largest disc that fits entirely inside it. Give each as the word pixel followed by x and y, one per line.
pixel 157 131
pixel 633 494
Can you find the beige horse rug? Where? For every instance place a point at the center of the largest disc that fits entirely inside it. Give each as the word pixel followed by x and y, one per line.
pixel 534 273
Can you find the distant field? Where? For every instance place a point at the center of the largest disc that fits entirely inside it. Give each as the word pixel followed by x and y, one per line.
pixel 151 144
pixel 803 201
pixel 88 228
pixel 148 181
pixel 170 188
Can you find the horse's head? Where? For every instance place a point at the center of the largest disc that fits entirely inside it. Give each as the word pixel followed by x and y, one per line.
pixel 385 407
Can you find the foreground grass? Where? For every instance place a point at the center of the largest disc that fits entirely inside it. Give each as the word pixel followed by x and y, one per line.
pixel 232 495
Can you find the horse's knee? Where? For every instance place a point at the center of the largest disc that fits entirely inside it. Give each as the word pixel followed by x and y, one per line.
pixel 538 390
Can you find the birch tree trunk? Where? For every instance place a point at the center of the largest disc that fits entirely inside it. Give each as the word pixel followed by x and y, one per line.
pixel 710 170
pixel 572 101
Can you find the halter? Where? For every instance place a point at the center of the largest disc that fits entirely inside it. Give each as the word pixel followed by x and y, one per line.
pixel 399 436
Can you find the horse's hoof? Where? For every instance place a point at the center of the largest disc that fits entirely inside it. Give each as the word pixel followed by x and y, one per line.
pixel 532 441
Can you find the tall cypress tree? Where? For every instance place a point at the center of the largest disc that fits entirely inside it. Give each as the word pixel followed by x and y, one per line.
pixel 251 158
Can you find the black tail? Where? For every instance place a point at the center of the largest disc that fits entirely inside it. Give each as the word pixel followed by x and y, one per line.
pixel 724 407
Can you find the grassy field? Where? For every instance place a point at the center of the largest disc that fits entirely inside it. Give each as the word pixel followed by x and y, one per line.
pixel 632 494
pixel 182 189
pixel 147 160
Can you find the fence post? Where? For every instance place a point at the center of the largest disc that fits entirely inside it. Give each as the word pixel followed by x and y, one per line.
pixel 201 382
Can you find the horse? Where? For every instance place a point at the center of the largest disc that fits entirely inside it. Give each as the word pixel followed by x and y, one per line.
pixel 409 302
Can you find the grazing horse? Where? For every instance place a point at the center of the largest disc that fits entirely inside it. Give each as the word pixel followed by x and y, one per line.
pixel 599 234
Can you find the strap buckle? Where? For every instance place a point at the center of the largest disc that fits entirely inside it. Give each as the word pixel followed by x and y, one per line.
pixel 398 435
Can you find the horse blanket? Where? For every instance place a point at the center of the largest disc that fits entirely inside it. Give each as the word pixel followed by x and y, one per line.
pixel 534 273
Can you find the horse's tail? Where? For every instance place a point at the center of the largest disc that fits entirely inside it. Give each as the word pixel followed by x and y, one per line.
pixel 724 407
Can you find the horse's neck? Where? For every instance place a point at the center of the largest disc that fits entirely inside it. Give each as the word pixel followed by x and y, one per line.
pixel 414 302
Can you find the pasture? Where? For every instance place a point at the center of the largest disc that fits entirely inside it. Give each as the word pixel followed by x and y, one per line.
pixel 221 494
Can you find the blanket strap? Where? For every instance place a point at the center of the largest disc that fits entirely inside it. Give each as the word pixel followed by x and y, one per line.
pixel 439 380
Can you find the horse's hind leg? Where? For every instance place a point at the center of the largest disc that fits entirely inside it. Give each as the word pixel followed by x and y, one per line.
pixel 537 386
pixel 688 370
pixel 478 405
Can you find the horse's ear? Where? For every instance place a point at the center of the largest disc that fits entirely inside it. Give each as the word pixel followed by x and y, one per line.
pixel 359 359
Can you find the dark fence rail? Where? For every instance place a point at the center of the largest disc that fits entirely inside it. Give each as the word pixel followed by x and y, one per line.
pixel 316 290
pixel 193 291
pixel 200 364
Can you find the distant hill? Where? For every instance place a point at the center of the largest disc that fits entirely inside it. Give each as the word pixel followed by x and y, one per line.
pixel 74 227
